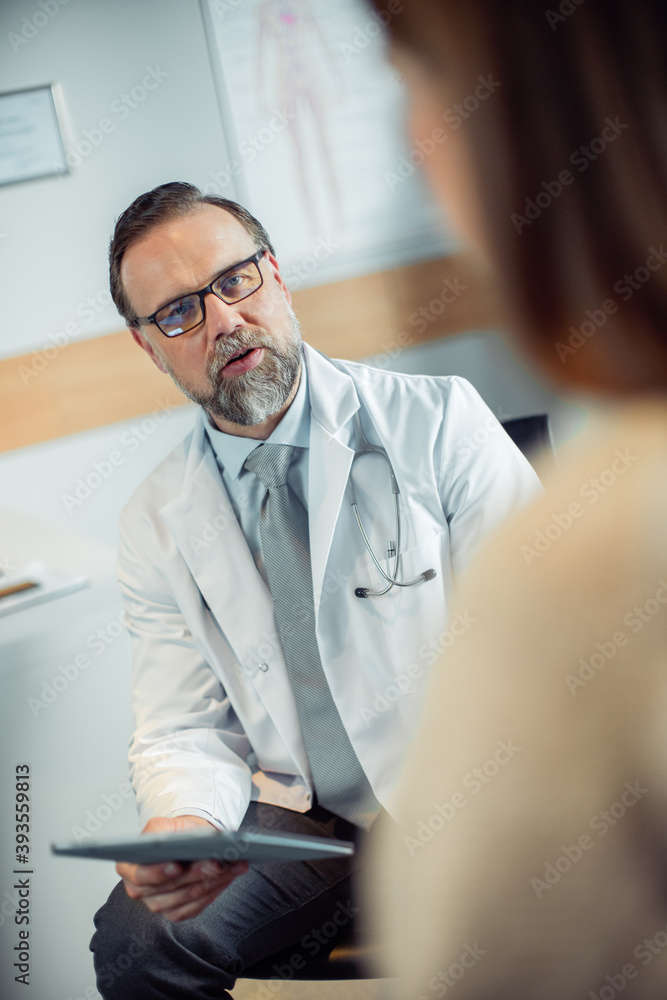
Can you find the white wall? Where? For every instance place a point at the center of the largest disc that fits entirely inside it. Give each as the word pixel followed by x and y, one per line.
pixel 54 232
pixel 64 713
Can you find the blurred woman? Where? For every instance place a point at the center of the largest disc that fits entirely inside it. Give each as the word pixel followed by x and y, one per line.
pixel 531 858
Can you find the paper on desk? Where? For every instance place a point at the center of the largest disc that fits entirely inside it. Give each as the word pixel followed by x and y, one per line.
pixel 51 583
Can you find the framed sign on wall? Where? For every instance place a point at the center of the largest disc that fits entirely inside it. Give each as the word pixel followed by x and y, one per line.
pixel 31 143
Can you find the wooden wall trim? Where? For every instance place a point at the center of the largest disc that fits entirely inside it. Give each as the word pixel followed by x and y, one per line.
pixel 63 390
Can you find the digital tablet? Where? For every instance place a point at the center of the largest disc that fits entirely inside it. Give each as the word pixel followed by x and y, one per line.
pixel 196 845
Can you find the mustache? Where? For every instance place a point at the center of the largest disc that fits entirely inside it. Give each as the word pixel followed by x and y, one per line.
pixel 237 343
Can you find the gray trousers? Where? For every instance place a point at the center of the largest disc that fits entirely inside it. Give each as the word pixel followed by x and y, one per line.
pixel 307 905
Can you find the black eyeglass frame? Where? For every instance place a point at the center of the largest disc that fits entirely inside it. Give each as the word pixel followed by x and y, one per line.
pixel 255 259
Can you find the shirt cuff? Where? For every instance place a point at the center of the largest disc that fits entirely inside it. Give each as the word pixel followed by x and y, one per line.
pixel 196 812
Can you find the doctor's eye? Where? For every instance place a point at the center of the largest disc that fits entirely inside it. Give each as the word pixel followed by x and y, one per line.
pixel 180 314
pixel 239 282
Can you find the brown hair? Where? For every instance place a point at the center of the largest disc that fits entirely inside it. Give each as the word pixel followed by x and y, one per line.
pixel 162 204
pixel 570 163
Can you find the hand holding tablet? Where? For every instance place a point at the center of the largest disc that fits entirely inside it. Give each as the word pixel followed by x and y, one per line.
pixel 179 865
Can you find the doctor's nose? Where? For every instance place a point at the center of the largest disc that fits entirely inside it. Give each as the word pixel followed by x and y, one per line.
pixel 220 317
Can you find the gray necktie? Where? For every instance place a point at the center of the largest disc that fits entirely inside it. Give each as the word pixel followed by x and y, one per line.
pixel 340 782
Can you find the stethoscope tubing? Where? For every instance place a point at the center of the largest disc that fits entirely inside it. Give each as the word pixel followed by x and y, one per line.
pixel 363 447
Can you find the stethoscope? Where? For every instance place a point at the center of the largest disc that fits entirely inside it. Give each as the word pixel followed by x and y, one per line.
pixel 364 447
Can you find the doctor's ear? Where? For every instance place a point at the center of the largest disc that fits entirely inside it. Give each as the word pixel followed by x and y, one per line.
pixel 275 269
pixel 142 340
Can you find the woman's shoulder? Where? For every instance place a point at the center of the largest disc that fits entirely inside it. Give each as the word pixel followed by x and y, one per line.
pixel 606 501
pixel 621 445
pixel 593 545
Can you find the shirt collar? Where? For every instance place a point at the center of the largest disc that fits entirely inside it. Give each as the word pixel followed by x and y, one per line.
pixel 294 428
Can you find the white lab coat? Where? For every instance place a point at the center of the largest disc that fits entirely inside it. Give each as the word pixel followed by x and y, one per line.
pixel 216 722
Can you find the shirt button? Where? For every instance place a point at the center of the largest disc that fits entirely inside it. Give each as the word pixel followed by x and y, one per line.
pixel 264 667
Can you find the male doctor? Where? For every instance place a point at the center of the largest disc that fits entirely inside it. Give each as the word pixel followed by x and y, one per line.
pixel 268 691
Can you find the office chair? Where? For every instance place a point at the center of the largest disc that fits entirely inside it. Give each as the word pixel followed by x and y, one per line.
pixel 349 959
pixel 532 435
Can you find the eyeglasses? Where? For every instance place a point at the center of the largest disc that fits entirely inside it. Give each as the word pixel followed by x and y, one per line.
pixel 232 285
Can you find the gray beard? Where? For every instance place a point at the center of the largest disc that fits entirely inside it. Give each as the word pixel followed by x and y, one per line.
pixel 251 398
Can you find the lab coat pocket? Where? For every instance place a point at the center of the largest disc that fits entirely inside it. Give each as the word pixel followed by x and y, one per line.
pixel 415 616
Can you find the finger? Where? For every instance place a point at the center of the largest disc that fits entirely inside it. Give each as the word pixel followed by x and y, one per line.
pixel 172 900
pixel 189 910
pixel 221 879
pixel 212 871
pixel 170 872
pixel 149 874
pixel 207 873
pixel 164 900
pixel 136 886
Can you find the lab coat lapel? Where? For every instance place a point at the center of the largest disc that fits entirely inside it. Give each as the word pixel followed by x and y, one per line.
pixel 209 538
pixel 333 402
pixel 204 527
